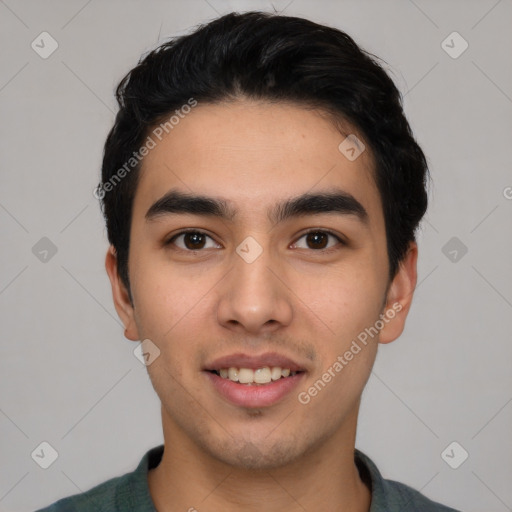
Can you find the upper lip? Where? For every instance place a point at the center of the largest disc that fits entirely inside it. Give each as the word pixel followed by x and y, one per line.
pixel 241 360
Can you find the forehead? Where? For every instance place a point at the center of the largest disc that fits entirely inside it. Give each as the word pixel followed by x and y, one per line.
pixel 253 153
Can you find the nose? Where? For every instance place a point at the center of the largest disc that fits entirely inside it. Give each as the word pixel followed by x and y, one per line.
pixel 253 299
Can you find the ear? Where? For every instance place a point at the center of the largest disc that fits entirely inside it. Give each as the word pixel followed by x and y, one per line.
pixel 121 297
pixel 399 296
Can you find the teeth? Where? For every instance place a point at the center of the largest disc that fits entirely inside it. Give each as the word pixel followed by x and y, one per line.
pixel 260 376
pixel 276 373
pixel 245 375
pixel 233 374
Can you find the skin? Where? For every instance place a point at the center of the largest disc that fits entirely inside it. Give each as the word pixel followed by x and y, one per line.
pixel 293 299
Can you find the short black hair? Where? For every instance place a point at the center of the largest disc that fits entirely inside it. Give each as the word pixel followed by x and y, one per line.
pixel 265 56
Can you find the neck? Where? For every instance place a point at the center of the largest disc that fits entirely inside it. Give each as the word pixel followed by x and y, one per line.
pixel 326 478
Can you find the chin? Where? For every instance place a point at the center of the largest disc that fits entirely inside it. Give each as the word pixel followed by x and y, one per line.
pixel 262 457
pixel 269 448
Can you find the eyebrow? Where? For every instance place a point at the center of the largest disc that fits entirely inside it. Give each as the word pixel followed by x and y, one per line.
pixel 335 201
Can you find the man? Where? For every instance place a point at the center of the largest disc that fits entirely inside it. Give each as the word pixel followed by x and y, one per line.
pixel 261 189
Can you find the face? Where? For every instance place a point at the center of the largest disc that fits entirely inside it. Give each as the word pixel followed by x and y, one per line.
pixel 267 258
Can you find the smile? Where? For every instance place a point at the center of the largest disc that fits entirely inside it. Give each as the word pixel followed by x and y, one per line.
pixel 250 380
pixel 259 376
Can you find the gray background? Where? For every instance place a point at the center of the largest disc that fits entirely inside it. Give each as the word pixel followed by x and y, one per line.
pixel 68 375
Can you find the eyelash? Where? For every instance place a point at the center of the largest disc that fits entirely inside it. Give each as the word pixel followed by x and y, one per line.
pixel 313 230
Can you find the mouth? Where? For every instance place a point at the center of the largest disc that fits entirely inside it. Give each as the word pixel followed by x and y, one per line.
pixel 257 377
pixel 254 381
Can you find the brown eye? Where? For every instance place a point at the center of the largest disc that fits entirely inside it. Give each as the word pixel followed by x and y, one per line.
pixel 318 240
pixel 192 241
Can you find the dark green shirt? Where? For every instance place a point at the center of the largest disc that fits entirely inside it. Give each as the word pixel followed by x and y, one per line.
pixel 130 492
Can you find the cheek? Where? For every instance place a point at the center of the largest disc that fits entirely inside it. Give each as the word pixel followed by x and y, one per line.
pixel 349 301
pixel 333 391
pixel 166 295
pixel 345 301
pixel 174 309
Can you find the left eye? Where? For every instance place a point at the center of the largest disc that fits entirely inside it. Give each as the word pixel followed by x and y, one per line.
pixel 318 240
pixel 196 240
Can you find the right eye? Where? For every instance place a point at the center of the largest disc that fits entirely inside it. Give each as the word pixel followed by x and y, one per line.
pixel 191 240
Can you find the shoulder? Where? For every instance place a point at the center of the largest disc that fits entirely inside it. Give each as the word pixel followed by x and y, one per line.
pixel 122 493
pixel 100 497
pixel 392 496
pixel 404 497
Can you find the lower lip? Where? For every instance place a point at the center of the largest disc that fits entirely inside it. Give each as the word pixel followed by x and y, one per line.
pixel 257 395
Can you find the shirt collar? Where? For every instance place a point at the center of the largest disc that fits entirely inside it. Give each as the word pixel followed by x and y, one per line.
pixel 137 487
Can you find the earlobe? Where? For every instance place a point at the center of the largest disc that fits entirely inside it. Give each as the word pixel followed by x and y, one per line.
pixel 120 296
pixel 399 296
